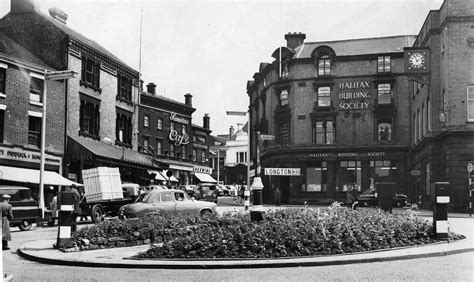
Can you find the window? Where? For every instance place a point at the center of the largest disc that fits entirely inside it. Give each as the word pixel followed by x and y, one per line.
pixel 382 171
pixel 324 66
pixel 194 155
pixel 384 93
pixel 414 128
pixel 323 132
pixel 159 124
pixel 90 73
pixel 285 72
pixel 3 75
pixel 316 177
pixel 470 103
pixel 384 131
pixel 172 150
pixel 159 147
pixel 34 131
pixel 428 178
pixel 349 174
pixel 124 127
pixel 428 115
pixel 418 126
pixel 124 87
pixel 284 97
pixel 146 142
pixel 89 117
pixel 241 157
pixel 2 124
pixel 171 126
pixel 383 64
pixel 423 120
pixel 146 121
pixel 324 96
pixel 203 156
pixel 183 129
pixel 183 152
pixel 36 89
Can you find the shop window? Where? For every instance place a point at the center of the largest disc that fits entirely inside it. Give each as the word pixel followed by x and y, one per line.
pixel 146 121
pixel 34 131
pixel 382 171
pixel 3 75
pixel 470 103
pixel 323 132
pixel 90 73
pixel 324 96
pixel 384 131
pixel 384 93
pixel 89 117
pixel 36 89
pixel 324 66
pixel 194 155
pixel 172 151
pixel 383 64
pixel 316 177
pixel 349 175
pixel 203 156
pixel 284 97
pixel 124 88
pixel 124 127
pixel 159 124
pixel 159 147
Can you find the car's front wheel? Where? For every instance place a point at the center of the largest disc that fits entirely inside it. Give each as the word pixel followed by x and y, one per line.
pixel 206 213
pixel 25 225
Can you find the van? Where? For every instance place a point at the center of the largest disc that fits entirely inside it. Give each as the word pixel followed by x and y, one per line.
pixel 24 206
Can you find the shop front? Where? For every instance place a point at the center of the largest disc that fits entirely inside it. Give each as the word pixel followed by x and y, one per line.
pixel 202 174
pixel 325 177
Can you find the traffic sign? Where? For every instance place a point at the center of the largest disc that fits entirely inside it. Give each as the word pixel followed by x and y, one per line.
pixel 469 167
pixel 267 137
pixel 415 172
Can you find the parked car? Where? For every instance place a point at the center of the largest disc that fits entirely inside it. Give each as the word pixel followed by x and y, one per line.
pixel 208 192
pixel 190 189
pixel 369 198
pixel 25 207
pixel 225 190
pixel 232 190
pixel 170 202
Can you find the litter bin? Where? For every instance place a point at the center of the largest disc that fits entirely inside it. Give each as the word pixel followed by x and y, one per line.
pixel 440 194
pixel 66 202
pixel 386 192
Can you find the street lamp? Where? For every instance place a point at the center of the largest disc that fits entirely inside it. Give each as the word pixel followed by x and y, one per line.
pixel 48 75
pixel 247 189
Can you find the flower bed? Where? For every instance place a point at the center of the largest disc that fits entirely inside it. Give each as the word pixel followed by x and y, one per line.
pixel 283 233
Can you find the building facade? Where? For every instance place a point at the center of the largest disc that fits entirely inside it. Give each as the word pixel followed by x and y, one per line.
pixel 167 133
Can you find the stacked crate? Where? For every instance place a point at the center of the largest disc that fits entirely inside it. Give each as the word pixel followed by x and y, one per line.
pixel 102 183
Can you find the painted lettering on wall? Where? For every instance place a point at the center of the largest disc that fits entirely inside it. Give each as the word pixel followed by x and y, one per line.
pixel 179 139
pixel 354 95
pixel 176 118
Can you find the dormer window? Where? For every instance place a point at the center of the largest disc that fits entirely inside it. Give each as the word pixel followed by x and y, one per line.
pixel 284 97
pixel 324 65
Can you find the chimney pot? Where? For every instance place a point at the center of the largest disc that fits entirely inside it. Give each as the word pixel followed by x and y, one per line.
pixel 231 132
pixel 22 6
pixel 151 88
pixel 58 15
pixel 206 121
pixel 294 39
pixel 188 99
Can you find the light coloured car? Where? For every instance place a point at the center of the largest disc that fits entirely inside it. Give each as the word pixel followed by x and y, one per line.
pixel 169 201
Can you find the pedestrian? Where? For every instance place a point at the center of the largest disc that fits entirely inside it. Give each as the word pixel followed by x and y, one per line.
pixel 7 216
pixel 355 197
pixel 277 196
pixel 81 201
pixel 349 196
pixel 77 210
pixel 54 209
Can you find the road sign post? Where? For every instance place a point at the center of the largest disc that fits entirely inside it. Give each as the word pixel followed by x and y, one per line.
pixel 469 170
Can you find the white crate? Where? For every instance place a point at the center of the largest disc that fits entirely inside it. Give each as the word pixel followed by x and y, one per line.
pixel 102 183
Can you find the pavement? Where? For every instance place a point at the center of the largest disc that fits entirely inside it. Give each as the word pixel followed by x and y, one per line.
pixel 43 251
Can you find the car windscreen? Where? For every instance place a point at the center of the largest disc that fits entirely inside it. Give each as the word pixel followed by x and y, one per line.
pixel 368 192
pixel 142 198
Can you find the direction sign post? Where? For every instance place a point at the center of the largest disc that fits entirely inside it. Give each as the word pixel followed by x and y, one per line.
pixel 265 137
pixel 469 170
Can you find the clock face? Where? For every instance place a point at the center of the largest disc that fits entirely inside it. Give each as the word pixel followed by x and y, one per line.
pixel 417 60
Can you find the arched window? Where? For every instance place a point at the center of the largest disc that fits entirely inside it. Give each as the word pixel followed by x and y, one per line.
pixel 324 65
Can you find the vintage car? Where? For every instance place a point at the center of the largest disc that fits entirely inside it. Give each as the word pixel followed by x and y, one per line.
pixel 208 192
pixel 25 208
pixel 369 198
pixel 170 202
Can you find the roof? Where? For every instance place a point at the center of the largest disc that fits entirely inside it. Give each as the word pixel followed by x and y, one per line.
pixel 11 48
pixel 163 98
pixel 83 39
pixel 109 151
pixel 363 46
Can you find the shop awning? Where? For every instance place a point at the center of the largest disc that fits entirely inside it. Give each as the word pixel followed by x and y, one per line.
pixel 204 177
pixel 172 178
pixel 26 175
pixel 158 175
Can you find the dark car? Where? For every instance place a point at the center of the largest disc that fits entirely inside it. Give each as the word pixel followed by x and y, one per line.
pixel 208 192
pixel 25 208
pixel 369 198
pixel 169 201
pixel 190 189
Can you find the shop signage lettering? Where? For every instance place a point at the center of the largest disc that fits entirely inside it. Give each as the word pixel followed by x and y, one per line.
pixel 283 171
pixel 179 139
pixel 352 91
pixel 22 155
pixel 347 154
pixel 319 155
pixel 202 169
pixel 176 118
pixel 199 146
pixel 376 154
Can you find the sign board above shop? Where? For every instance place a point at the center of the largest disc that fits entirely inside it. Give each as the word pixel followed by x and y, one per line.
pixel 347 154
pixel 354 95
pixel 283 171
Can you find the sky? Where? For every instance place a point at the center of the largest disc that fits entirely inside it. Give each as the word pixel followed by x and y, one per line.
pixel 212 48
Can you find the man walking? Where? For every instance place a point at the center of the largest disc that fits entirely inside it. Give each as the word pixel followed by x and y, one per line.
pixel 7 216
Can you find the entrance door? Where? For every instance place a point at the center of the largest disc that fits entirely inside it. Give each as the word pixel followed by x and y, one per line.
pixel 285 189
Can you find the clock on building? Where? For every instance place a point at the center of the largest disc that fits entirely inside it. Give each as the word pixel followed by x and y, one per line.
pixel 417 60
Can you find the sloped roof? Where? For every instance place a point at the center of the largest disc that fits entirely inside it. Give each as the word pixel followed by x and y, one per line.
pixel 363 46
pixel 11 48
pixel 163 98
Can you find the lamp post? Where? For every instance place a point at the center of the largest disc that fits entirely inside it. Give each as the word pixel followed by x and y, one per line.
pixel 247 189
pixel 48 75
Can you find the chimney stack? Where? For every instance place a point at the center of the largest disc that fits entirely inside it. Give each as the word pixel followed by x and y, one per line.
pixel 294 39
pixel 188 99
pixel 22 6
pixel 239 127
pixel 151 88
pixel 58 15
pixel 231 132
pixel 205 121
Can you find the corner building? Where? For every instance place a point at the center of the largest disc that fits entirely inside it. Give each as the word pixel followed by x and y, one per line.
pixel 339 111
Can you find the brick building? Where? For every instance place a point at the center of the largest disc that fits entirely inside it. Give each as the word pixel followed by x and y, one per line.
pixel 167 133
pixel 100 124
pixel 352 113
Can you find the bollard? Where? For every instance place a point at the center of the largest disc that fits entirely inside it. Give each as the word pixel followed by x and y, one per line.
pixel 246 199
pixel 66 207
pixel 257 211
pixel 440 190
